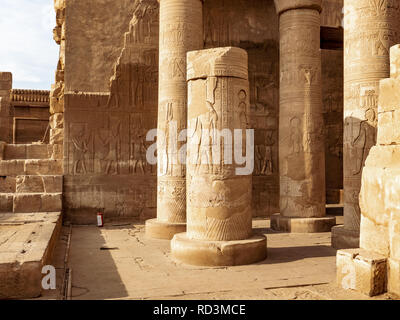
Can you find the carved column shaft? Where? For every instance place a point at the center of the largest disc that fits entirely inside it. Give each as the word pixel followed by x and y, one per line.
pixel 181 26
pixel 301 125
pixel 219 200
pixel 181 30
pixel 219 222
pixel 371 27
pixel 302 180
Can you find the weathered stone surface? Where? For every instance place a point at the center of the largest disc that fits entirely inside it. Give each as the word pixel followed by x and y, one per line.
pixel 87 69
pixel 7 184
pixel 43 167
pixel 27 243
pixel 361 270
pixel 12 167
pixel 2 150
pixel 6 202
pixel 37 202
pixel 27 151
pixel 395 61
pixel 56 136
pixel 39 184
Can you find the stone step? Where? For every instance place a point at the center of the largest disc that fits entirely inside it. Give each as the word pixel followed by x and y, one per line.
pixel 6 202
pixel 27 151
pixel 7 184
pixel 38 184
pixel 27 243
pixel 31 167
pixel 30 202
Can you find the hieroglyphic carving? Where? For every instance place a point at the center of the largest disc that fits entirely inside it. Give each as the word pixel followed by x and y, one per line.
pixel 81 140
pixel 371 27
pixel 219 200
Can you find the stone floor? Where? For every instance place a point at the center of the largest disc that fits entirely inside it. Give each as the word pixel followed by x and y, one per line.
pixel 26 243
pixel 118 262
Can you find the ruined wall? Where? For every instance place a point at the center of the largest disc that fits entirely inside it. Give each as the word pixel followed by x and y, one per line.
pixel 56 134
pixel 105 147
pixel 95 32
pixel 5 108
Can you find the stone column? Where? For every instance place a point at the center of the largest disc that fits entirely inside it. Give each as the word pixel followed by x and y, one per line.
pixel 371 27
pixel 181 30
pixel 219 222
pixel 301 125
pixel 6 118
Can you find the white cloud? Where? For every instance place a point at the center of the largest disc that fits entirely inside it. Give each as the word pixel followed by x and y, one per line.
pixel 27 48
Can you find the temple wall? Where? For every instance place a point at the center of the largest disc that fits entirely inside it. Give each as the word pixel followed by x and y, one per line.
pixel 105 149
pixel 99 121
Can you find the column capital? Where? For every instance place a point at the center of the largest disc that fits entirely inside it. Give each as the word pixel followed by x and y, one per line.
pixel 285 5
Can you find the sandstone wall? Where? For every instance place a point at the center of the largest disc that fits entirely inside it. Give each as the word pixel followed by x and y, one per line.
pixel 95 30
pixel 105 148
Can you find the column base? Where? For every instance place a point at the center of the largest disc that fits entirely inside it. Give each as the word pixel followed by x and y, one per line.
pixel 302 225
pixel 219 253
pixel 343 238
pixel 163 230
pixel 361 270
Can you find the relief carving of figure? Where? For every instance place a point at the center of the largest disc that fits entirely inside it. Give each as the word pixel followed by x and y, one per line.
pixel 308 74
pixel 365 140
pixel 205 129
pixel 264 156
pixel 112 158
pixel 138 155
pixel 80 140
pixel 296 136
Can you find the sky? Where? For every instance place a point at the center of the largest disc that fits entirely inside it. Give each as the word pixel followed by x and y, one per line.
pixel 27 48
